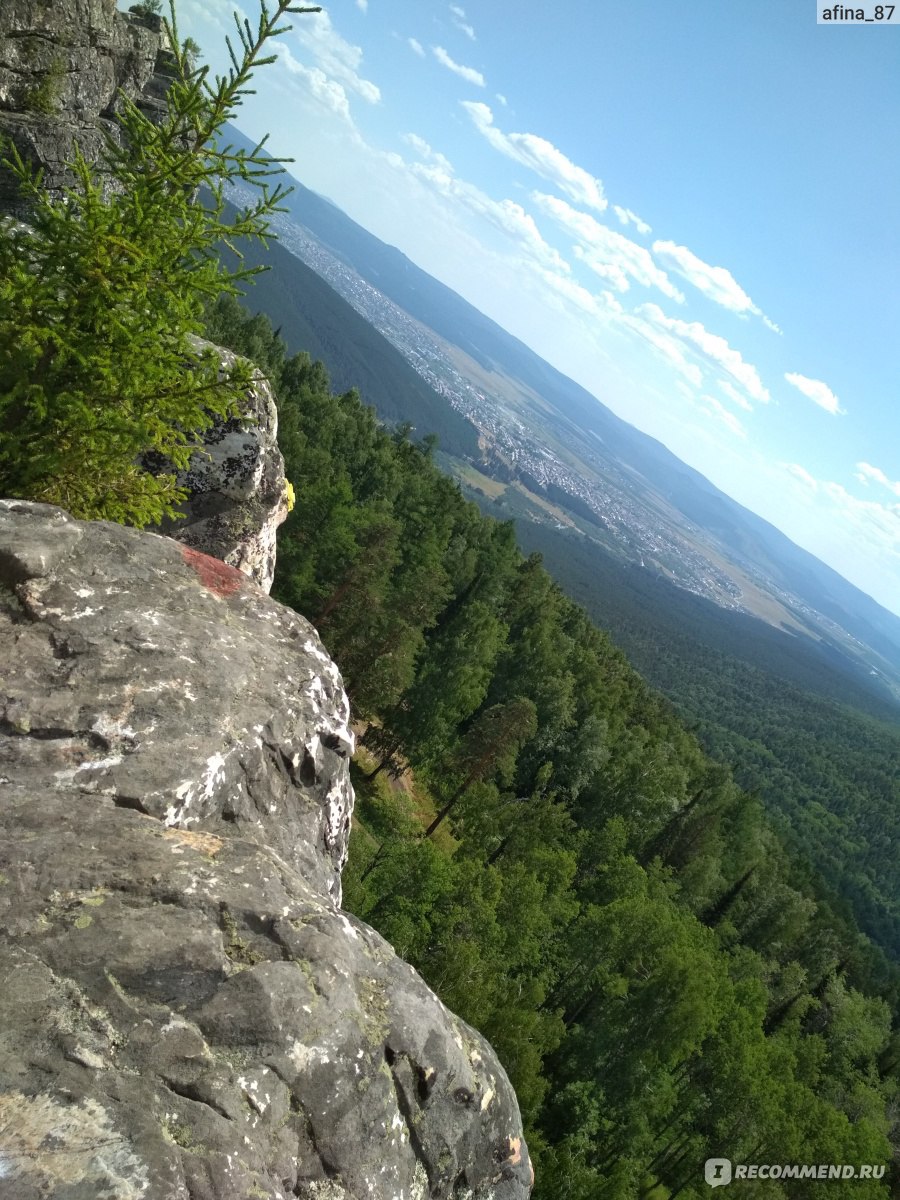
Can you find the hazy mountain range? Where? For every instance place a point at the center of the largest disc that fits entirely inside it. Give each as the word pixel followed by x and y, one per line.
pixel 533 444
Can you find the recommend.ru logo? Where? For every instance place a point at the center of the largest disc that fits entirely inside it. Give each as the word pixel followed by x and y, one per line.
pixel 719 1171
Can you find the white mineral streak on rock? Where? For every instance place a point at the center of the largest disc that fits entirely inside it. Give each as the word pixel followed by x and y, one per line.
pixel 316 651
pixel 113 727
pixel 338 809
pixel 353 933
pixel 203 789
pixel 80 614
pixel 101 764
pixel 304 1056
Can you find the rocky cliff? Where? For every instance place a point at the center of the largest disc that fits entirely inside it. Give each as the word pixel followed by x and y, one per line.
pixel 63 64
pixel 185 1012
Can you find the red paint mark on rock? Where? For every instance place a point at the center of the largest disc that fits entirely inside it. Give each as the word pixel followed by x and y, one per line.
pixel 216 576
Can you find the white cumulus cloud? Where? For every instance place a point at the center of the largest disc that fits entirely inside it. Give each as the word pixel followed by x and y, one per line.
pixel 717 283
pixel 416 47
pixel 540 156
pixel 817 391
pixel 469 74
pixel 712 347
pixel 868 473
pixel 328 92
pixel 610 254
pixel 334 55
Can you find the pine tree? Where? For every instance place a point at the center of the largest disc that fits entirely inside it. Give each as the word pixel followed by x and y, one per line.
pixel 102 296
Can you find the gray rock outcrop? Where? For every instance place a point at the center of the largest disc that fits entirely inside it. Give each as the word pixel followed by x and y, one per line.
pixel 237 492
pixel 62 66
pixel 185 1012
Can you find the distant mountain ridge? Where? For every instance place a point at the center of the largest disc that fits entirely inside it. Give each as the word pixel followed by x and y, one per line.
pixel 745 538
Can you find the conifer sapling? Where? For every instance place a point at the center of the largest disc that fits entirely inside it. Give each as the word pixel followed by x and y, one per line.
pixel 102 294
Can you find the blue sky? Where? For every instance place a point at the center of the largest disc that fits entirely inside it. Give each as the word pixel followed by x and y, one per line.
pixel 689 208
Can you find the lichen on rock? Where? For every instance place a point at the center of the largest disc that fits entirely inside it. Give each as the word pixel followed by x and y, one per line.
pixel 237 494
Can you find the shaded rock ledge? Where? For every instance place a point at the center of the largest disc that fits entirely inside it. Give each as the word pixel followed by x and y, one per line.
pixel 185 1013
pixel 63 65
pixel 237 491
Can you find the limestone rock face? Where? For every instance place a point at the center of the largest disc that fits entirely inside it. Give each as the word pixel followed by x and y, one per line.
pixel 185 1012
pixel 237 489
pixel 62 64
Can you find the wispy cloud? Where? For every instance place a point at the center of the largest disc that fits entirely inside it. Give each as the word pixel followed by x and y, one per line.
pixel 716 283
pixel 802 475
pixel 865 530
pixel 817 391
pixel 416 47
pixel 328 92
pixel 610 254
pixel 425 151
pixel 876 525
pixel 713 347
pixel 723 415
pixel 668 347
pixel 540 156
pixel 214 13
pixel 505 215
pixel 627 217
pixel 362 5
pixel 337 58
pixel 867 473
pixel 572 291
pixel 734 395
pixel 459 20
pixel 469 74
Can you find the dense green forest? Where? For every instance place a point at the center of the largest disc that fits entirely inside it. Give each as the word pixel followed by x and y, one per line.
pixel 541 836
pixel 820 750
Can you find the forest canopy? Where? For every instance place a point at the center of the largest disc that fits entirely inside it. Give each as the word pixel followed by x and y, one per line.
pixel 539 834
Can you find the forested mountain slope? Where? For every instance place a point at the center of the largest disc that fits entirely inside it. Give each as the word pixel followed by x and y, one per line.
pixel 312 316
pixel 779 707
pixel 819 749
pixel 661 980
